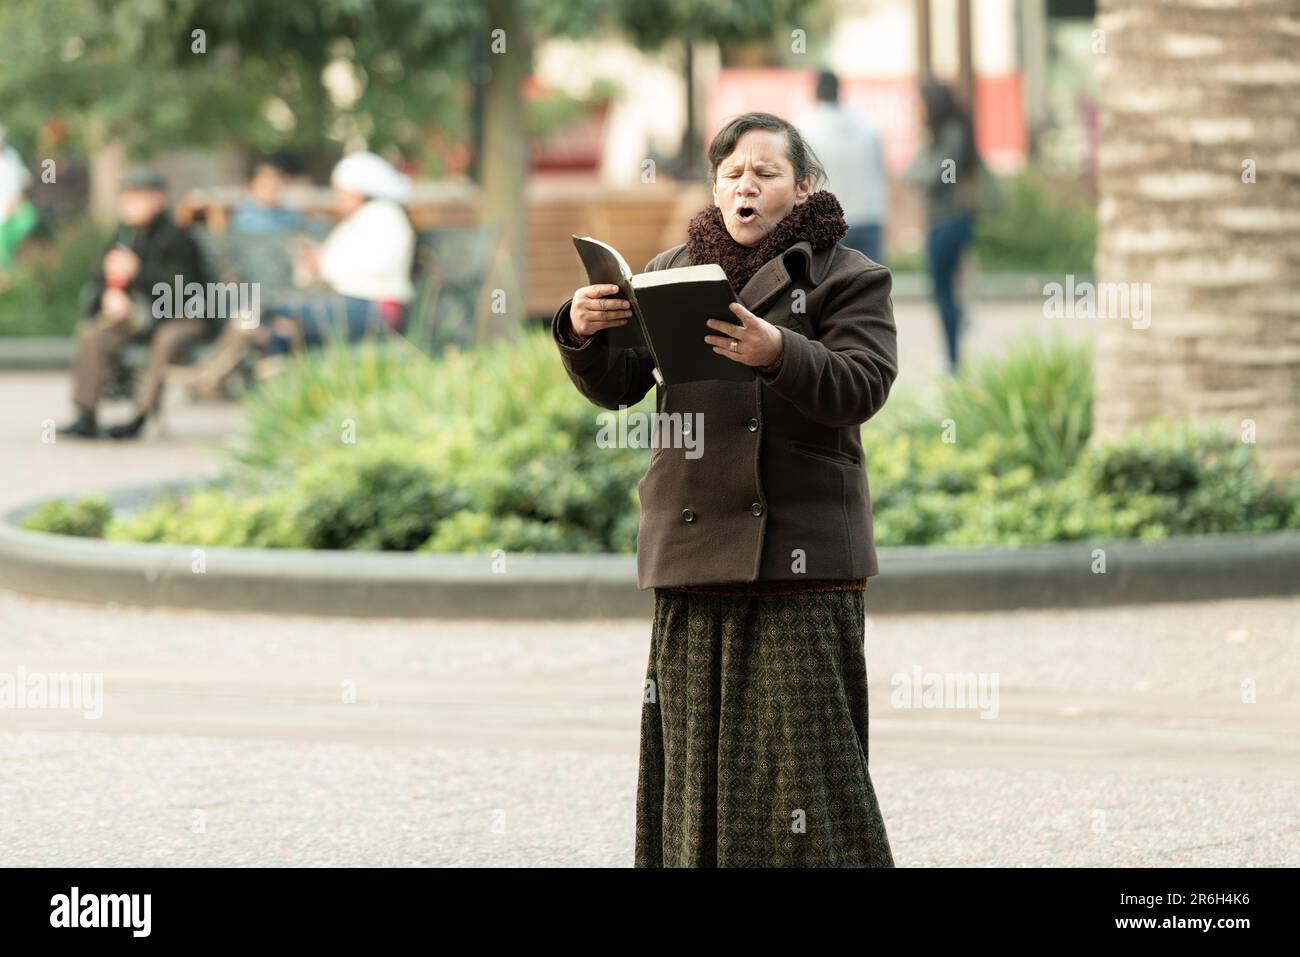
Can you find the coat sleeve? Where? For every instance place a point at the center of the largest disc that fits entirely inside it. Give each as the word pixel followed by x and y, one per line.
pixel 608 377
pixel 177 254
pixel 843 377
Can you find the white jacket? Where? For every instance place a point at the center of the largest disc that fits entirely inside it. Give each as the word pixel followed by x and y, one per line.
pixel 368 255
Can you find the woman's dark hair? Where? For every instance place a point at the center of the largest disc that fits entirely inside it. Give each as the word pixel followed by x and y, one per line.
pixel 797 150
pixel 942 108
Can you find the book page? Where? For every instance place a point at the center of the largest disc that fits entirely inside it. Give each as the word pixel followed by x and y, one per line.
pixel 618 257
pixel 708 272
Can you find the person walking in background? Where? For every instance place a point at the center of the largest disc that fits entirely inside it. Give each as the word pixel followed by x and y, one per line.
pixel 949 173
pixel 148 249
pixel 61 197
pixel 854 159
pixel 17 215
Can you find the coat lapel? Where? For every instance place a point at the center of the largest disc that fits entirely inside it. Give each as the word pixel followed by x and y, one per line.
pixel 770 279
pixel 774 275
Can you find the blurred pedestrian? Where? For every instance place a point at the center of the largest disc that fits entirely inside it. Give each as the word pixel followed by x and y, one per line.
pixel 17 215
pixel 851 152
pixel 950 175
pixel 63 194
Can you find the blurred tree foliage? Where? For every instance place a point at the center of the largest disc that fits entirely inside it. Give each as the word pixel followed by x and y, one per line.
pixel 294 75
pixel 258 74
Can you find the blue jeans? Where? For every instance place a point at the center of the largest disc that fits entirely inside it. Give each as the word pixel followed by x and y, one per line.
pixel 868 239
pixel 322 315
pixel 945 242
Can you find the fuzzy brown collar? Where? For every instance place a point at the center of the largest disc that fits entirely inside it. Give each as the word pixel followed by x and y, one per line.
pixel 820 220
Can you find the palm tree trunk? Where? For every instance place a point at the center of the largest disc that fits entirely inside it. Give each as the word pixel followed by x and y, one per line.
pixel 1200 199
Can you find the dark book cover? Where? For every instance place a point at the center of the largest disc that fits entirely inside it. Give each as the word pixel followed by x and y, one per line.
pixel 669 308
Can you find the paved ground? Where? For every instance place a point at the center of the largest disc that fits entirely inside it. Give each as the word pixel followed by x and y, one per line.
pixel 1122 736
pixel 32 402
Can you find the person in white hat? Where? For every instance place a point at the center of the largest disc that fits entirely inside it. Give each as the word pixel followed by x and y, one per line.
pixel 366 259
pixel 363 268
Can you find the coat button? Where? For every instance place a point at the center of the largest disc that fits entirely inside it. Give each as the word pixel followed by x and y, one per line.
pixel 756 509
pixel 688 515
pixel 752 425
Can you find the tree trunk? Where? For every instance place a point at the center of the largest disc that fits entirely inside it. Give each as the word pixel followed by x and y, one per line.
pixel 505 164
pixel 1200 199
pixel 107 163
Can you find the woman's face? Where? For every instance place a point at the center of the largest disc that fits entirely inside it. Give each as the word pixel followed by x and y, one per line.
pixel 755 186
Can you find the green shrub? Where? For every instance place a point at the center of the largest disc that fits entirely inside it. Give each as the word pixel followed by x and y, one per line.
pixel 384 496
pixel 1043 227
pixel 482 532
pixel 381 447
pixel 87 517
pixel 214 517
pixel 384 448
pixel 1198 479
pixel 1038 396
pixel 1167 479
pixel 44 298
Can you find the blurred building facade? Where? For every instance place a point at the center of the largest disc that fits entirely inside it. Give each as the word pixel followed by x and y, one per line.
pixel 1033 86
pixel 1034 90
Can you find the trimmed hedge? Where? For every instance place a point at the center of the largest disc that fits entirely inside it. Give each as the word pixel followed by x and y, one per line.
pixel 383 448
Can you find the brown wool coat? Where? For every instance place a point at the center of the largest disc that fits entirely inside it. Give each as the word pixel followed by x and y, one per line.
pixel 780 491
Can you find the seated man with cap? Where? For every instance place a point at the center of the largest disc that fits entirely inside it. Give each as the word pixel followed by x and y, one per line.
pixel 147 250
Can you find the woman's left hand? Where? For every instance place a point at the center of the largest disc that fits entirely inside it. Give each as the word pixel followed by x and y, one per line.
pixel 757 342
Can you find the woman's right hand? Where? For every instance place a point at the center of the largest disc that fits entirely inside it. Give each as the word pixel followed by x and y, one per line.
pixel 589 313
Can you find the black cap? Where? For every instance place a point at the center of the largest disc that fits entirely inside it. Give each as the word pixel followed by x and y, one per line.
pixel 142 177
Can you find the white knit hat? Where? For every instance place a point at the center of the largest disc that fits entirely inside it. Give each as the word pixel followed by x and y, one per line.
pixel 371 176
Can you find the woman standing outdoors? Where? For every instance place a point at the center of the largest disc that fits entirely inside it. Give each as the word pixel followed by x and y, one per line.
pixel 754 722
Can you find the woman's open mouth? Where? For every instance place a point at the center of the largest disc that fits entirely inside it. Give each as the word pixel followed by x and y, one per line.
pixel 746 214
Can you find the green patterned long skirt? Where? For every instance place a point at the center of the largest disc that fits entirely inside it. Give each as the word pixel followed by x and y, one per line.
pixel 754 735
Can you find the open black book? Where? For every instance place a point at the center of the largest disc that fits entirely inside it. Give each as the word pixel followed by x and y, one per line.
pixel 669 309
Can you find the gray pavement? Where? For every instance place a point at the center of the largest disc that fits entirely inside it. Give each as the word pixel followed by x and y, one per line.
pixel 1121 739
pixel 1134 736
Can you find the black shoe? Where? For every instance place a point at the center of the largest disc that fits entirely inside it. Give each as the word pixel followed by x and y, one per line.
pixel 84 428
pixel 127 430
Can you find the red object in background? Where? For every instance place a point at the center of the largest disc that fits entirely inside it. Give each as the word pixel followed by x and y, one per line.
pixel 574 148
pixel 392 312
pixel 893 104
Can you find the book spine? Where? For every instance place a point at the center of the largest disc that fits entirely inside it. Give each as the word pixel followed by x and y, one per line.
pixel 645 334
